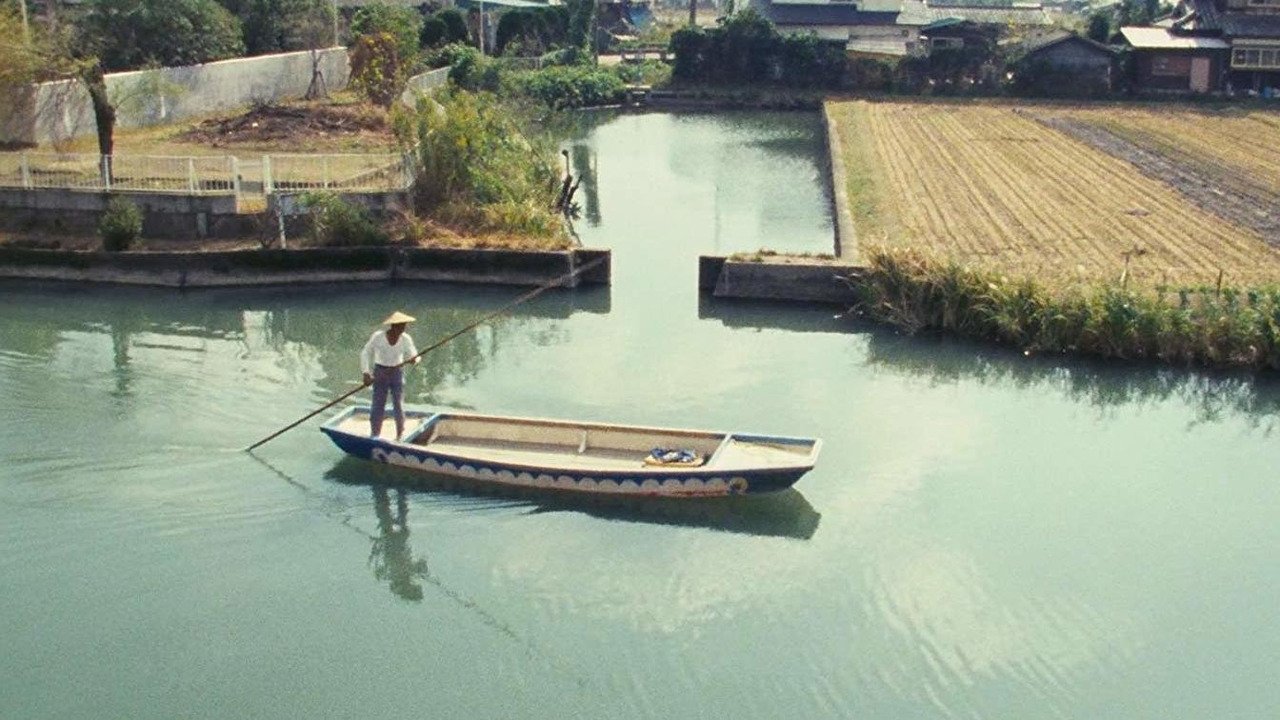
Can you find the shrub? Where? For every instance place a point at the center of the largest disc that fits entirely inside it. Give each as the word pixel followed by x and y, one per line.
pixel 452 54
pixel 338 223
pixel 403 24
pixel 121 224
pixel 377 68
pixel 479 168
pixel 572 87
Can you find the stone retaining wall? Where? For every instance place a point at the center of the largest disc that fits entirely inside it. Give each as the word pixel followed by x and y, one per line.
pixel 268 267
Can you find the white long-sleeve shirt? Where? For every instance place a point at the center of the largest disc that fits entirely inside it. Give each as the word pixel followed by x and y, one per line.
pixel 380 352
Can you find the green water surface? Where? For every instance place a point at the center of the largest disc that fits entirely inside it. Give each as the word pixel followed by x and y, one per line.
pixel 985 536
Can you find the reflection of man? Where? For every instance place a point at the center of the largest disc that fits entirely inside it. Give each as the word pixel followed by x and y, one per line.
pixel 381 363
pixel 392 558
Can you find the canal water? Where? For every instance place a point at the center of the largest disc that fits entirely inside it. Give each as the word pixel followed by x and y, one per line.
pixel 985 536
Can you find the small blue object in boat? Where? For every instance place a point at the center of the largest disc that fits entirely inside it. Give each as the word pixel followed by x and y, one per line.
pixel 673 456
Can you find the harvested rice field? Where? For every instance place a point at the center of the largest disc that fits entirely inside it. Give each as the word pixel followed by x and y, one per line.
pixel 993 184
pixel 1228 141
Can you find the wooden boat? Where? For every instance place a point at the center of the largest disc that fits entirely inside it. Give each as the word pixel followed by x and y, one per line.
pixel 576 456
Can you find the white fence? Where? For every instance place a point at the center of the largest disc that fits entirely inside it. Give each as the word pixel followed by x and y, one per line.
pixel 207 175
pixel 346 173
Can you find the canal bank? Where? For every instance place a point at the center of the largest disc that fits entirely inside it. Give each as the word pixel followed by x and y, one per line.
pixel 197 269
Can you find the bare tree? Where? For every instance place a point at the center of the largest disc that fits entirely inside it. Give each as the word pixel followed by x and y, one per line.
pixel 309 25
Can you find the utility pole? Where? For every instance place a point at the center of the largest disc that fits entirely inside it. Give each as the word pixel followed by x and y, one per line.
pixel 335 23
pixel 693 13
pixel 26 24
pixel 480 25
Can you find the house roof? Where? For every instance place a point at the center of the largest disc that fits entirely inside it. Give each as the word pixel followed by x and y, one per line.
pixel 1044 42
pixel 919 12
pixel 1155 38
pixel 1238 25
pixel 841 15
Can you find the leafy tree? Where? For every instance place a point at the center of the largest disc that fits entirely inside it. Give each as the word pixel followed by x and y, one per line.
pixel 272 26
pixel 456 25
pixel 746 48
pixel 21 59
pixel 582 16
pixel 1099 27
pixel 688 44
pixel 535 30
pixel 128 34
pixel 403 24
pixel 433 32
pixel 377 70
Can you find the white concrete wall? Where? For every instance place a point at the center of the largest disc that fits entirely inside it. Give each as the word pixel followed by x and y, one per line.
pixel 55 111
pixel 423 83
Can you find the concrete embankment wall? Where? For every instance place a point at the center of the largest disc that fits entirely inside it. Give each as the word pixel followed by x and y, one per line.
pixel 56 111
pixel 269 267
pixel 794 280
pixel 166 215
pixel 424 83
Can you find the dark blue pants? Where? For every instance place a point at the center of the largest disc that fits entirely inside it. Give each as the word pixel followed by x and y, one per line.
pixel 387 380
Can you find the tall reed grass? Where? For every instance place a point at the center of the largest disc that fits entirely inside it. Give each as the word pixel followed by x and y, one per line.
pixel 480 168
pixel 1214 327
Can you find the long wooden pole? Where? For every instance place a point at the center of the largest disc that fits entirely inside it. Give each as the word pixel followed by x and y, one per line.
pixel 439 343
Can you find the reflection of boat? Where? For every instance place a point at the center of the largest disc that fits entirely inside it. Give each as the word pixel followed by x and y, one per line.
pixel 784 514
pixel 579 457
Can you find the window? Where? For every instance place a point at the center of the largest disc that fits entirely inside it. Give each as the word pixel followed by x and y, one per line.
pixel 1263 58
pixel 1171 65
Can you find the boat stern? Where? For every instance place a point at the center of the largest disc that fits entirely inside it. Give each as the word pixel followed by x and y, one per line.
pixel 349 430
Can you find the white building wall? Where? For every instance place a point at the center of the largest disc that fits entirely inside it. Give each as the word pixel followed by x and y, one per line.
pixel 56 111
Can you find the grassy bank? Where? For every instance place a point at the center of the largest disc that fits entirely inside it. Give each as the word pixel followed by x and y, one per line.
pixel 1221 327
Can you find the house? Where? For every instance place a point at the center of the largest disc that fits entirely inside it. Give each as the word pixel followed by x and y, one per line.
pixel 1210 46
pixel 1085 61
pixel 1164 61
pixel 897 28
pixel 867 27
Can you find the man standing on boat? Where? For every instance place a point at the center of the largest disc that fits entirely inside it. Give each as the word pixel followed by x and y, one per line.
pixel 382 363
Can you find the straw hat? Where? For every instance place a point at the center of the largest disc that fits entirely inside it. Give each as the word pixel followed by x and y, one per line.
pixel 397 318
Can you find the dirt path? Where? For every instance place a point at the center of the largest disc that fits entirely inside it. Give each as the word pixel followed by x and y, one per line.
pixel 1231 198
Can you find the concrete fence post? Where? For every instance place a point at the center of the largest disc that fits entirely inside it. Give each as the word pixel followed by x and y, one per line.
pixel 26 171
pixel 233 163
pixel 268 186
pixel 106 172
pixel 324 170
pixel 191 176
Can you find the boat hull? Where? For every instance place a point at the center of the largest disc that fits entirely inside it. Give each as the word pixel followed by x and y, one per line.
pixel 708 480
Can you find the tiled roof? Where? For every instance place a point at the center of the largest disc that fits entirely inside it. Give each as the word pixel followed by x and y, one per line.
pixel 842 15
pixel 1154 38
pixel 1239 25
pixel 1053 38
pixel 921 13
